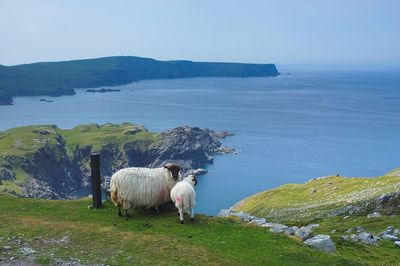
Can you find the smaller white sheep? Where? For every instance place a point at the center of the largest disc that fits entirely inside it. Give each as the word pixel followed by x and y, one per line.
pixel 184 196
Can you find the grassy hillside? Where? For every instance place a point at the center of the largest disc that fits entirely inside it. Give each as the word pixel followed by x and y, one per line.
pixel 60 78
pixel 318 197
pixel 69 231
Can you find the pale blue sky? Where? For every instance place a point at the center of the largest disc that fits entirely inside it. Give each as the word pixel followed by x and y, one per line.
pixel 352 32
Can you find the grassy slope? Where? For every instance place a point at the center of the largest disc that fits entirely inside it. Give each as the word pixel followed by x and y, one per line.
pixel 291 202
pixel 19 142
pixel 99 236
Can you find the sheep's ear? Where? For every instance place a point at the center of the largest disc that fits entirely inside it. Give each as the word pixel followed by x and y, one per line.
pixel 168 166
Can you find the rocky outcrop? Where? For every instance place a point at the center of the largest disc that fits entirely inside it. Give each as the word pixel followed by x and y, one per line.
pixel 54 172
pixel 6 174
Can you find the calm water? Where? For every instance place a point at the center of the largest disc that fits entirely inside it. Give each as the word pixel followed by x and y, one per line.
pixel 287 129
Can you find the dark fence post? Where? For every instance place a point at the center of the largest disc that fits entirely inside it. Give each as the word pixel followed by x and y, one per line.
pixel 96 181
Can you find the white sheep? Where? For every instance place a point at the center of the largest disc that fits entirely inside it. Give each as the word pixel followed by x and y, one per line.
pixel 148 187
pixel 184 196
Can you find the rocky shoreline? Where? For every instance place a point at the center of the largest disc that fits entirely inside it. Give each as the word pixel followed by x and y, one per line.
pixel 57 171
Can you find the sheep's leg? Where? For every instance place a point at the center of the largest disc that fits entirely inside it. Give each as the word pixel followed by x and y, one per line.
pixel 127 214
pixel 191 214
pixel 156 210
pixel 181 217
pixel 119 211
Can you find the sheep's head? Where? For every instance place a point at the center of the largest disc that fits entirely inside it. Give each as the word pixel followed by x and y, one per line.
pixel 191 179
pixel 174 169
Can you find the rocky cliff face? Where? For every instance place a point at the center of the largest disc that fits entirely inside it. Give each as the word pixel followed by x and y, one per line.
pixel 53 171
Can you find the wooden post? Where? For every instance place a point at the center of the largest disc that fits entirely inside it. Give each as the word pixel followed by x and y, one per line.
pixel 96 181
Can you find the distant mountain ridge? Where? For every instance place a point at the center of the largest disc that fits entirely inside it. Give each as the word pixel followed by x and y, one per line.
pixel 61 78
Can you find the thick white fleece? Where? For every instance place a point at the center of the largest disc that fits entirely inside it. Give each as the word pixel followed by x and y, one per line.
pixel 184 196
pixel 135 186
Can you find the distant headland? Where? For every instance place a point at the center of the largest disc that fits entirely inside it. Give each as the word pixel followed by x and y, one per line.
pixel 61 78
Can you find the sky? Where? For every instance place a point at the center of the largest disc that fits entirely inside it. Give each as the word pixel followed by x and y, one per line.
pixel 336 32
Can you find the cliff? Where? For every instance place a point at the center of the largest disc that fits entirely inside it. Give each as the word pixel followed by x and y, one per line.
pixel 48 162
pixel 61 78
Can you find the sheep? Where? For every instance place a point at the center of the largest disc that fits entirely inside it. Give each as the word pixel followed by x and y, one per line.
pixel 184 196
pixel 148 187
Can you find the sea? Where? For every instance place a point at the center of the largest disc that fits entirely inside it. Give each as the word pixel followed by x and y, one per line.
pixel 303 124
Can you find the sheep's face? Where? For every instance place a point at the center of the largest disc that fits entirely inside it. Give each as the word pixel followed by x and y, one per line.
pixel 191 179
pixel 174 169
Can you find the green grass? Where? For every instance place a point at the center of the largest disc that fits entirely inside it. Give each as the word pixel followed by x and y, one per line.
pixel 99 236
pixel 96 136
pixel 20 141
pixel 291 202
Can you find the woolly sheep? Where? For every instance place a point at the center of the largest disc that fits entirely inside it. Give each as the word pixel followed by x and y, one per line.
pixel 148 187
pixel 184 196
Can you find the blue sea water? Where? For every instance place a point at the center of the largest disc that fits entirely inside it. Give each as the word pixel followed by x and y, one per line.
pixel 287 129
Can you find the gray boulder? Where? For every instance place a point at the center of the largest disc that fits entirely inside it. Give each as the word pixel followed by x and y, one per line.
pixel 374 215
pixel 275 227
pixel 396 232
pixel 258 221
pixel 291 230
pixel 390 237
pixel 367 238
pixel 304 233
pixel 397 243
pixel 321 243
pixel 354 238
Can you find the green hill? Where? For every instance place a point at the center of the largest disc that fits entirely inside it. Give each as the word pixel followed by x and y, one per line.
pixel 61 78
pixel 326 196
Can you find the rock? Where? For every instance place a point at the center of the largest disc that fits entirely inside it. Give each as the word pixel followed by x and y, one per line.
pixel 275 227
pixel 396 232
pixel 345 237
pixel 374 215
pixel 353 237
pixel 27 251
pixel 386 232
pixel 390 237
pixel 349 230
pixel 47 132
pixel 367 238
pixel 258 221
pixel 304 233
pixel 397 243
pixel 360 229
pixel 313 190
pixel 291 230
pixel 321 243
pixel 64 240
pixel 242 215
pixel 6 248
pixel 312 226
pixel 197 172
pixel 224 213
pixel 6 174
pixel 333 231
